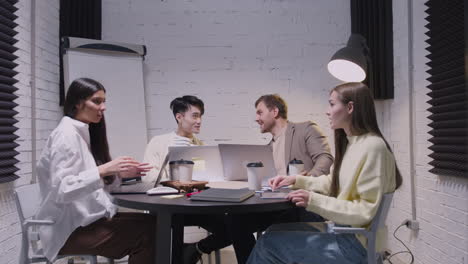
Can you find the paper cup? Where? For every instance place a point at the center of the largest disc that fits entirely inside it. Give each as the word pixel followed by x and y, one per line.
pixel 295 167
pixel 182 170
pixel 254 175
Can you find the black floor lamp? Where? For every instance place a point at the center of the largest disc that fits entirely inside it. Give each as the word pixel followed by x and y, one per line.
pixel 351 63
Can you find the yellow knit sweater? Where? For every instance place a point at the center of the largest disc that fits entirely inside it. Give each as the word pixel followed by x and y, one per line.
pixel 367 172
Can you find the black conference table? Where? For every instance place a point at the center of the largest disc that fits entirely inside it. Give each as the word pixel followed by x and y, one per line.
pixel 170 213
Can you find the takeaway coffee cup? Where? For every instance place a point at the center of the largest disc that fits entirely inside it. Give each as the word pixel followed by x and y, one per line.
pixel 254 175
pixel 295 167
pixel 181 170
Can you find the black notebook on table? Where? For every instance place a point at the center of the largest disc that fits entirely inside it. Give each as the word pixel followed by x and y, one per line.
pixel 223 195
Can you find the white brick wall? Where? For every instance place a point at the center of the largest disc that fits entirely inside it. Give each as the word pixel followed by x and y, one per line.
pixel 48 112
pixel 442 202
pixel 229 53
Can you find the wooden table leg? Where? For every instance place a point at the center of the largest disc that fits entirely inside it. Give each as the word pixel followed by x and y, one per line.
pixel 177 238
pixel 163 237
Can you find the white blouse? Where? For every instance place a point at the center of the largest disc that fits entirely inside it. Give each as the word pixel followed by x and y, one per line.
pixel 72 191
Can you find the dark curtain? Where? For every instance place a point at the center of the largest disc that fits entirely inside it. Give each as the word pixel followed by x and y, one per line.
pixel 373 19
pixel 448 87
pixel 7 88
pixel 78 18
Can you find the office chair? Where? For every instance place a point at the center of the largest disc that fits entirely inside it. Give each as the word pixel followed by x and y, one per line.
pixel 217 254
pixel 28 200
pixel 373 257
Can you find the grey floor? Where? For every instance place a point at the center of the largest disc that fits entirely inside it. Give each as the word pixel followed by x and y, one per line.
pixel 191 235
pixel 227 257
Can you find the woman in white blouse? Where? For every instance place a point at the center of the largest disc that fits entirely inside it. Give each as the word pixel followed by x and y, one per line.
pixel 75 172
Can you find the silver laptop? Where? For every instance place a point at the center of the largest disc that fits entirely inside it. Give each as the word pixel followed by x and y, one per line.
pixel 207 161
pixel 141 187
pixel 236 157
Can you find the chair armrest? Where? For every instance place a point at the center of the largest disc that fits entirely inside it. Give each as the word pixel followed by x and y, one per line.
pixel 331 228
pixel 350 230
pixel 32 222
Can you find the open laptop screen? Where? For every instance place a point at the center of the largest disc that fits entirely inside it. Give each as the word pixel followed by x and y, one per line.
pixel 235 158
pixel 207 161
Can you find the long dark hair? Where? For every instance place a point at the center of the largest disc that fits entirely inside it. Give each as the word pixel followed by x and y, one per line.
pixel 79 91
pixel 363 120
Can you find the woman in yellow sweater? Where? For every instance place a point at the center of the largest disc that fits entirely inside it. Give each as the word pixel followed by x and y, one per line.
pixel 364 170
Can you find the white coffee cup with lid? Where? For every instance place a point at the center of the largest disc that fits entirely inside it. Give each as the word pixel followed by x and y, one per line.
pixel 295 167
pixel 181 170
pixel 255 175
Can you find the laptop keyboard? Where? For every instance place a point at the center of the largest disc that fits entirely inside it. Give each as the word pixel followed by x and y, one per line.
pixel 137 188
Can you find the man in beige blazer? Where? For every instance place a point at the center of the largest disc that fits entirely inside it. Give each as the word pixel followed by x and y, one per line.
pixel 302 141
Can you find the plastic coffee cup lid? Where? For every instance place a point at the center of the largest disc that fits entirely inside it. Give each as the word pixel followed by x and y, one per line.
pixel 296 161
pixel 181 161
pixel 255 164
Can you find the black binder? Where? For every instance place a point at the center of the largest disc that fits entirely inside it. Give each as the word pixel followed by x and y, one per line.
pixel 223 195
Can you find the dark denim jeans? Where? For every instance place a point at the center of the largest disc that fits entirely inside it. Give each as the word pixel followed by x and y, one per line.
pixel 302 243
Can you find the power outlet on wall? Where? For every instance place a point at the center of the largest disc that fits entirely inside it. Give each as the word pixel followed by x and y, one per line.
pixel 386 254
pixel 411 224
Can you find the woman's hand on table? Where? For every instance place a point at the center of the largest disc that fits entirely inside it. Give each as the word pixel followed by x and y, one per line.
pixel 281 180
pixel 299 198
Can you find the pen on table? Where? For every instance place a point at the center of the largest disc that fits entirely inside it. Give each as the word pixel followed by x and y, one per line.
pixel 192 193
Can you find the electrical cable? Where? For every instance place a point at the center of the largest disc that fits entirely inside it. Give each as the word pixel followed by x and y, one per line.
pixel 401 252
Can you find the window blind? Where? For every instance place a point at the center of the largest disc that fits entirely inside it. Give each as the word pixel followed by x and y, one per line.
pixel 7 89
pixel 448 87
pixel 373 19
pixel 78 18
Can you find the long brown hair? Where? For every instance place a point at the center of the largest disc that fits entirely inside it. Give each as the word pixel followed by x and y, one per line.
pixel 363 120
pixel 80 90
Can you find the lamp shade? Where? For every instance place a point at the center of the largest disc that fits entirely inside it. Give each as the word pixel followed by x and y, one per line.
pixel 349 64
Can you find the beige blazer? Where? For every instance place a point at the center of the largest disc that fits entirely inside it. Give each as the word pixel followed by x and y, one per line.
pixel 305 141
